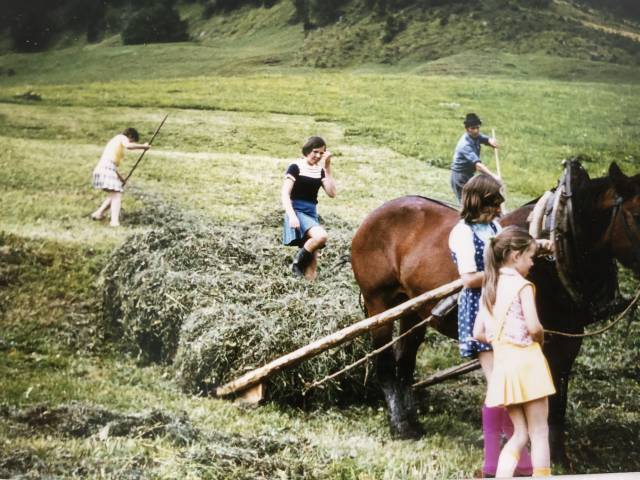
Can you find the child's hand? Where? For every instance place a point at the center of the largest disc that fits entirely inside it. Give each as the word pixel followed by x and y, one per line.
pixel 538 337
pixel 545 247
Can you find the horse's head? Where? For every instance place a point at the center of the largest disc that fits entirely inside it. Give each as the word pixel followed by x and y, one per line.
pixel 622 199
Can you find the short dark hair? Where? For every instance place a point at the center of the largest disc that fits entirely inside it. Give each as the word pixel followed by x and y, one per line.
pixel 472 120
pixel 311 143
pixel 132 133
pixel 480 192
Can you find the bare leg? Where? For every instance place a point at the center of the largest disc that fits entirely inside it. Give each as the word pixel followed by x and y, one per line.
pixel 311 272
pixel 116 199
pixel 510 453
pixel 536 412
pixel 486 362
pixel 317 238
pixel 99 213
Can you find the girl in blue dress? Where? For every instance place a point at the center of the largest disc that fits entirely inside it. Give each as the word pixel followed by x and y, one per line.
pixel 481 200
pixel 302 226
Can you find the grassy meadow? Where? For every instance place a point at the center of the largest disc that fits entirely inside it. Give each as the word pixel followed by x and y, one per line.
pixel 235 122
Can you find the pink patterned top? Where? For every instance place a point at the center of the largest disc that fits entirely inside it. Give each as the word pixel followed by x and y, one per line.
pixel 514 330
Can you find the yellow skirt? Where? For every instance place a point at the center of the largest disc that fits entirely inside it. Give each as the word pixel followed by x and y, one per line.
pixel 520 374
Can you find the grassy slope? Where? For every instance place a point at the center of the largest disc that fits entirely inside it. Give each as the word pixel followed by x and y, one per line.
pixel 386 125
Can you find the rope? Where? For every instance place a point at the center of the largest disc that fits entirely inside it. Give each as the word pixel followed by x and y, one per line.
pixel 602 330
pixel 368 355
pixel 453 372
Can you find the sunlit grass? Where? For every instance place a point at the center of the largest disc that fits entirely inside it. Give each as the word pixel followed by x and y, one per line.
pixel 222 153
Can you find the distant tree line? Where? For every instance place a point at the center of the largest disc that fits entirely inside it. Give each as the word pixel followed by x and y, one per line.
pixel 322 12
pixel 317 12
pixel 624 8
pixel 222 6
pixel 33 24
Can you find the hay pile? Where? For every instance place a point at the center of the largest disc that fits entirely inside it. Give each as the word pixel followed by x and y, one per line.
pixel 217 300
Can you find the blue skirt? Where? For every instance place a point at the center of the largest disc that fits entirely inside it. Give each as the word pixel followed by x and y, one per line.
pixel 308 218
pixel 468 306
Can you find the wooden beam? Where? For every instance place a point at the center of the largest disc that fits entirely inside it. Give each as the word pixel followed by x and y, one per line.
pixel 253 395
pixel 448 373
pixel 258 375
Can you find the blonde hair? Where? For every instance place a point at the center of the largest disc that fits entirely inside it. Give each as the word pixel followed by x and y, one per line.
pixel 511 239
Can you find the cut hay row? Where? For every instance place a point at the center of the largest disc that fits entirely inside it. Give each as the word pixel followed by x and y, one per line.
pixel 217 300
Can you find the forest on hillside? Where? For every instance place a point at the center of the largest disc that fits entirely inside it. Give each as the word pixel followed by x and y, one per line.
pixel 32 25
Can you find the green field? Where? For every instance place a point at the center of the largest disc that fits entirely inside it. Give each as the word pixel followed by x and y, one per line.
pixel 235 122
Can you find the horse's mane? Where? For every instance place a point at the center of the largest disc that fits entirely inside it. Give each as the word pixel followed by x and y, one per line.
pixel 594 220
pixel 591 190
pixel 444 203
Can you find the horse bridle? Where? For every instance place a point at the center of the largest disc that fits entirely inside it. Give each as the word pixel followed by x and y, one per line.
pixel 633 234
pixel 558 220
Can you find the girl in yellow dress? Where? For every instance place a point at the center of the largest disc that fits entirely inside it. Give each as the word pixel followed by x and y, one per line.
pixel 520 380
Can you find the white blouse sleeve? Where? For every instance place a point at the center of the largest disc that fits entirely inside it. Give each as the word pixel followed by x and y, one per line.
pixel 461 244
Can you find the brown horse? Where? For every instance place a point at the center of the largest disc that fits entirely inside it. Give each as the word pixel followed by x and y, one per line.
pixel 401 250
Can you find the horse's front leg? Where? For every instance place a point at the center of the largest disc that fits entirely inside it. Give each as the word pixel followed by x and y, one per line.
pixel 561 353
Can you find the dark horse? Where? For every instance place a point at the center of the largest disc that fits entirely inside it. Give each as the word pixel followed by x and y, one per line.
pixel 401 250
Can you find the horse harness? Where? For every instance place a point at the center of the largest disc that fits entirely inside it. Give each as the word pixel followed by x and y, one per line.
pixel 554 217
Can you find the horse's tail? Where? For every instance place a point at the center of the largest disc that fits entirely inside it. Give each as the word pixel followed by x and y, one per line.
pixel 342 261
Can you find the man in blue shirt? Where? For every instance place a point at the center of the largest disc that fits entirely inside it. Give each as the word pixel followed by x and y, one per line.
pixel 466 158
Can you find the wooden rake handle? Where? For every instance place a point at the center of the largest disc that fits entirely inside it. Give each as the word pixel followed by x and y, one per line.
pixel 135 165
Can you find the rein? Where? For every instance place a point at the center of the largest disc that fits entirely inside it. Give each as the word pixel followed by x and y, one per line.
pixel 369 355
pixel 602 330
pixel 462 368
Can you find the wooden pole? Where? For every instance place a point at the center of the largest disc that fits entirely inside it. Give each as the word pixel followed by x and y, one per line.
pixel 448 373
pixel 495 152
pixel 337 338
pixel 504 187
pixel 144 151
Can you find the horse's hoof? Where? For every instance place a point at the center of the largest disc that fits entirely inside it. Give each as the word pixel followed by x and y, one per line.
pixel 408 431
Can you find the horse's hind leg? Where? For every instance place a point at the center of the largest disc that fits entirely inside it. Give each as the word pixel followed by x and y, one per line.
pixel 405 352
pixel 398 395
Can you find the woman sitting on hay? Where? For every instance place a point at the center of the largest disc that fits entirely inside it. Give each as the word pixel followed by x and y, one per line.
pixel 302 226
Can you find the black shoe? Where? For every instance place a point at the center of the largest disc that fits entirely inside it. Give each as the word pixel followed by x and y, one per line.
pixel 300 262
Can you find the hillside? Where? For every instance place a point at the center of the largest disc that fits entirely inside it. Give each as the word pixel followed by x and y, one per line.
pixel 490 38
